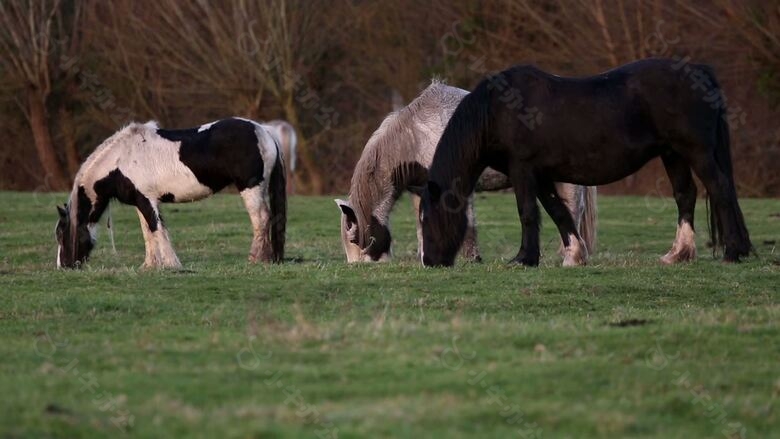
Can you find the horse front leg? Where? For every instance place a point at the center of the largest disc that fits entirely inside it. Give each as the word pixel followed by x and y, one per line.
pixel 151 259
pixel 162 253
pixel 525 187
pixel 574 249
pixel 470 248
pixel 255 201
pixel 416 205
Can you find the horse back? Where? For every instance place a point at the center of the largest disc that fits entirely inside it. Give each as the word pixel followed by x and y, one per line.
pixel 225 152
pixel 627 115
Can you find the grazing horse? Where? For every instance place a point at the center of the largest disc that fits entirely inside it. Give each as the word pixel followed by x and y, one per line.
pixel 288 141
pixel 397 157
pixel 594 130
pixel 143 165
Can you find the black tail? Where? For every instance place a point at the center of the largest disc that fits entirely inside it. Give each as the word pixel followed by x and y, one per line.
pixel 277 192
pixel 741 245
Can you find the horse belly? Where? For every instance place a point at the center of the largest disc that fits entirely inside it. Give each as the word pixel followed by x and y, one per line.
pixel 605 167
pixel 184 187
pixel 175 183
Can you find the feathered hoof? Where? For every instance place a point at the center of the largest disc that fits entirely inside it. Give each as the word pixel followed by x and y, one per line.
pixel 574 260
pixel 161 266
pixel 678 257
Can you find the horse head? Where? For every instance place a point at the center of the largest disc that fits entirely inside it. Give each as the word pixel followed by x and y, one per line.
pixel 376 244
pixel 443 219
pixel 74 241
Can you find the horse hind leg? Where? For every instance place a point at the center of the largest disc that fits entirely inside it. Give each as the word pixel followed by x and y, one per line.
pixel 684 246
pixel 260 215
pixel 574 252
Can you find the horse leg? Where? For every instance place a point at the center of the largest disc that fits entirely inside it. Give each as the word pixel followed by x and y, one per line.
pixel 416 204
pixel 260 215
pixel 524 185
pixel 165 256
pixel 574 249
pixel 152 258
pixel 684 247
pixel 470 248
pixel 570 195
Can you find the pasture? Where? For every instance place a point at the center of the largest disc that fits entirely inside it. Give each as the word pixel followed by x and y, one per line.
pixel 624 347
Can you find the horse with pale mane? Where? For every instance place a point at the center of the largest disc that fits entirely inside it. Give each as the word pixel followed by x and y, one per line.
pixel 143 165
pixel 397 157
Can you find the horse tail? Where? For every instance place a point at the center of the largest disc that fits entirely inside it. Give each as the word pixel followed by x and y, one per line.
pixel 293 139
pixel 589 224
pixel 723 160
pixel 277 194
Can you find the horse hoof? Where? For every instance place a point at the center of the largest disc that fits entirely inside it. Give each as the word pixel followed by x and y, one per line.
pixel 525 262
pixel 678 258
pixel 573 262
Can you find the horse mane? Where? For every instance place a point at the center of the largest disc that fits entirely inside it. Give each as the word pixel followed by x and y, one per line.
pixel 457 162
pixel 386 166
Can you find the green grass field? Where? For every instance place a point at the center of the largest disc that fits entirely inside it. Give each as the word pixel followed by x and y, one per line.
pixel 624 347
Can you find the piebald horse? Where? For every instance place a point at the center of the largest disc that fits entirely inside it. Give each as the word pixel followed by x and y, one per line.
pixel 143 165
pixel 397 157
pixel 595 130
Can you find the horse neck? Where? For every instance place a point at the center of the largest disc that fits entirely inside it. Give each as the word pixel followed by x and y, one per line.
pixel 461 178
pixel 385 169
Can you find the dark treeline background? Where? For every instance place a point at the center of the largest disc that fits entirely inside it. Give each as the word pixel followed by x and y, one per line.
pixel 74 71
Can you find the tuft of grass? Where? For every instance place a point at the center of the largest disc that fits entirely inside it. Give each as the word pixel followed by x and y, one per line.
pixel 624 347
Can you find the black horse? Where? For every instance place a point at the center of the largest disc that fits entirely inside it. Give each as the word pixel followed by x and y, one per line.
pixel 540 128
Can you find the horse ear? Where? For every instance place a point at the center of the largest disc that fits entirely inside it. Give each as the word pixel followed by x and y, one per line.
pixel 434 190
pixel 346 209
pixel 63 213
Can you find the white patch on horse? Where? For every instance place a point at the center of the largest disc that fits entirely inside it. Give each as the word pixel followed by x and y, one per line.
pixel 575 253
pixel 684 247
pixel 206 126
pixel 59 251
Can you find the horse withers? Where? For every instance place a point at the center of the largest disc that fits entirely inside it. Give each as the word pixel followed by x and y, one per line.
pixel 540 128
pixel 396 159
pixel 143 165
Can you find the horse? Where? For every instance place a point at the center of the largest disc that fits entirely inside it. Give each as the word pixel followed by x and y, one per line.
pixel 539 128
pixel 143 165
pixel 397 157
pixel 288 141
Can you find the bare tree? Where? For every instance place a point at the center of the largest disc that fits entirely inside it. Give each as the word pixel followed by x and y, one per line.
pixel 32 35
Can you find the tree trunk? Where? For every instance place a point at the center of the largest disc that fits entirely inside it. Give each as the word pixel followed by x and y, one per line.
pixel 69 138
pixel 312 171
pixel 55 178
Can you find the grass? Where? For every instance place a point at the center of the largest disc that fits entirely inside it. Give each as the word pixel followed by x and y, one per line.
pixel 315 348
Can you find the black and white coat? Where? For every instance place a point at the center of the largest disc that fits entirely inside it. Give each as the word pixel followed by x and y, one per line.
pixel 143 165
